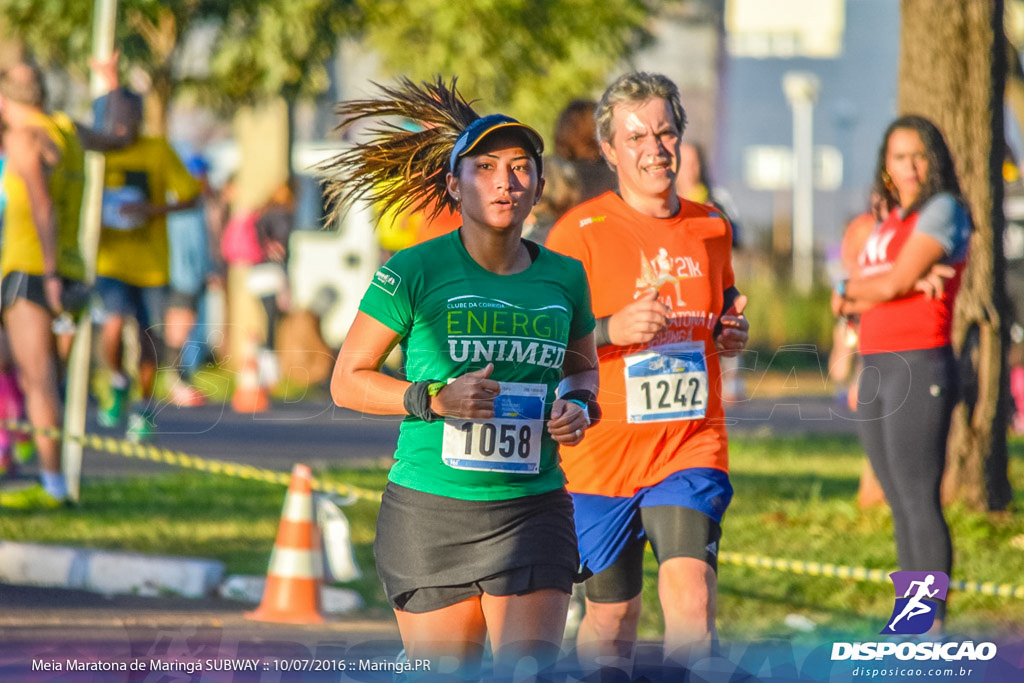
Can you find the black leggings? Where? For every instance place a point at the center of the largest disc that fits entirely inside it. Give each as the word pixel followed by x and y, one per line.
pixel 674 531
pixel 905 404
pixel 273 312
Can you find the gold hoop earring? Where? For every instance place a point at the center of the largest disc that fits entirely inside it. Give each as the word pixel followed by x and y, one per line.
pixel 887 181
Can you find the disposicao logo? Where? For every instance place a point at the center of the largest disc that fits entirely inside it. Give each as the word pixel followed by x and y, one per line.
pixel 914 614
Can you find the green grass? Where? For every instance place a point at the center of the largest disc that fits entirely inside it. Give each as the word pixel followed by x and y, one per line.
pixel 786 316
pixel 795 499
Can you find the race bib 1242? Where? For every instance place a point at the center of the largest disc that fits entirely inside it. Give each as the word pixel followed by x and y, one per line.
pixel 667 382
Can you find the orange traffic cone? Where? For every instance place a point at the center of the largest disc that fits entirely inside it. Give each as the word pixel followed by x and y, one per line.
pixel 292 593
pixel 250 395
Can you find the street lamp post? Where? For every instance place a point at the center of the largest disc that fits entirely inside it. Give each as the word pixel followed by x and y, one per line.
pixel 801 91
pixel 77 394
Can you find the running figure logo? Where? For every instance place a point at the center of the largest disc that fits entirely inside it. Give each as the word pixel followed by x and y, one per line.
pixel 654 273
pixel 916 593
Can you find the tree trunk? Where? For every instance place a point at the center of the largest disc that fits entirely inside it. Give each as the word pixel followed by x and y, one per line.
pixel 953 70
pixel 161 35
pixel 158 103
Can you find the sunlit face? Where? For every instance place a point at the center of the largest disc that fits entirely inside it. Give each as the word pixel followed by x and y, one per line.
pixel 906 162
pixel 644 148
pixel 498 185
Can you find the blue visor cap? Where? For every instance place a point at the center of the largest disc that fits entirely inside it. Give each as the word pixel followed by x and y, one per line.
pixel 482 127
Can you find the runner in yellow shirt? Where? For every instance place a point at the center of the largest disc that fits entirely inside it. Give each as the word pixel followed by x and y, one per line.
pixel 40 261
pixel 143 182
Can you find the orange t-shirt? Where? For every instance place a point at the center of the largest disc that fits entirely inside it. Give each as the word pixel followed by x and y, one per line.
pixel 688 259
pixel 442 224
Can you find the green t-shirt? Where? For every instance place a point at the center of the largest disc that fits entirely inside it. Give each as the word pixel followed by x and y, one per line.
pixel 455 317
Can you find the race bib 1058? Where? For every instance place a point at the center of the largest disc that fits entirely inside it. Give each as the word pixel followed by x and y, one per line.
pixel 508 442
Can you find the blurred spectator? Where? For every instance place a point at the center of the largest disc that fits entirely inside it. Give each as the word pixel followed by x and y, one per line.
pixel 911 381
pixel 218 204
pixel 268 280
pixel 273 230
pixel 14 446
pixel 562 191
pixel 143 183
pixel 844 362
pixel 190 270
pixel 239 245
pixel 40 259
pixel 576 142
pixel 693 182
pixel 1013 249
pixel 395 232
pixel 398 230
pixel 240 250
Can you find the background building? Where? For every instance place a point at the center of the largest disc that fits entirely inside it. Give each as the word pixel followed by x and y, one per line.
pixel 852 46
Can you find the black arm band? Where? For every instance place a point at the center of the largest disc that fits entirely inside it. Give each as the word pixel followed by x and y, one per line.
pixel 417 401
pixel 579 395
pixel 601 337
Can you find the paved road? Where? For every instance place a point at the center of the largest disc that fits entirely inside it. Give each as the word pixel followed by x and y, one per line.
pixel 319 433
pixel 315 432
pixel 57 627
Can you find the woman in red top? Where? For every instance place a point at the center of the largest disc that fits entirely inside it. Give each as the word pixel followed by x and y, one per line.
pixel 908 386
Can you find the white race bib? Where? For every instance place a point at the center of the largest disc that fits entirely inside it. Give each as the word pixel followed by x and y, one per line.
pixel 667 382
pixel 113 200
pixel 508 442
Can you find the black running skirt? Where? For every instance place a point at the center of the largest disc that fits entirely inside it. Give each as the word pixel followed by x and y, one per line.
pixel 433 551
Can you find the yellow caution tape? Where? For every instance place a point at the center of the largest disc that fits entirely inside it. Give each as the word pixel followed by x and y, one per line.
pixel 166 456
pixel 859 573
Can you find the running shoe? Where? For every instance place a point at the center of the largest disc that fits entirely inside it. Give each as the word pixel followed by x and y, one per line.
pixel 24 451
pixel 141 427
pixel 110 414
pixel 184 395
pixel 33 497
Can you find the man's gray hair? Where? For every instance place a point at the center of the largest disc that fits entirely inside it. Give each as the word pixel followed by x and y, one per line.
pixel 636 88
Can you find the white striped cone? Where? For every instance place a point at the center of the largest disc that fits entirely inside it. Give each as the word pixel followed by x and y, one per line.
pixel 292 594
pixel 250 395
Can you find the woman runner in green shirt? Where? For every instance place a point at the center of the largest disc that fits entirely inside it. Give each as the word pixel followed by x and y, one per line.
pixel 475 536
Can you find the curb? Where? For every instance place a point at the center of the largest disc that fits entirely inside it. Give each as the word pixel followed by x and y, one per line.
pixel 124 573
pixel 108 572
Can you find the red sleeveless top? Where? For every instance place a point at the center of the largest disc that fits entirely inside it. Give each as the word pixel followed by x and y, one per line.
pixel 913 322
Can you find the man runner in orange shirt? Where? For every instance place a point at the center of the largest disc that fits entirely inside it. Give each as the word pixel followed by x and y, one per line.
pixel 656 465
